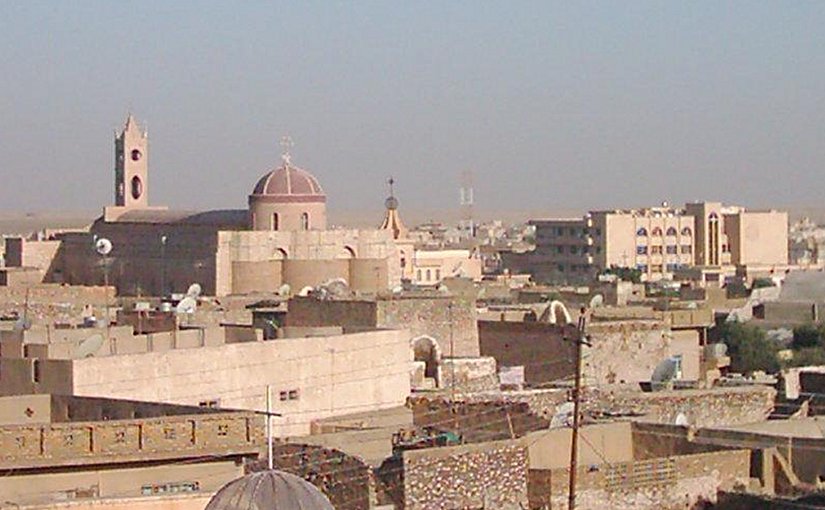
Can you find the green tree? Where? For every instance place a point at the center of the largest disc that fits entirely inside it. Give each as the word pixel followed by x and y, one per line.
pixel 809 356
pixel 749 348
pixel 628 274
pixel 806 336
pixel 761 283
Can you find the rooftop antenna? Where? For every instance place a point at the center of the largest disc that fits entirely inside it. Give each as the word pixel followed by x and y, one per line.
pixel 103 247
pixel 467 200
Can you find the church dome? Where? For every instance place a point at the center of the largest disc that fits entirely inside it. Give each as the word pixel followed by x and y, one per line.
pixel 288 183
pixel 269 490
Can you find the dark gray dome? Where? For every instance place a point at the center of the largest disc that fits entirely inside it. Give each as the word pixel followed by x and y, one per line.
pixel 269 490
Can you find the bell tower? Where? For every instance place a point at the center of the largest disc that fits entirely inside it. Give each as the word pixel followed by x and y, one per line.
pixel 132 166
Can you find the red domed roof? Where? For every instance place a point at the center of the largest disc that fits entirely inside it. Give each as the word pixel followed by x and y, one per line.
pixel 289 184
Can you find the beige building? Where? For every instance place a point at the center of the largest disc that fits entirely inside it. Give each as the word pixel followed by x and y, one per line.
pixel 311 373
pixel 57 449
pixel 426 267
pixel 658 241
pixel 282 238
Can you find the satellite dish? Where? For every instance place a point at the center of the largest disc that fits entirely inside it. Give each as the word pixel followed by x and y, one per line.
pixel 563 415
pixel 194 290
pixel 187 305
pixel 682 420
pixel 306 291
pixel 284 290
pixel 103 246
pixel 596 301
pixel 398 289
pixel 87 348
pixel 22 324
pixel 665 371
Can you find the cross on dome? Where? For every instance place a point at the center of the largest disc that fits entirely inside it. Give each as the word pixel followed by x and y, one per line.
pixel 286 144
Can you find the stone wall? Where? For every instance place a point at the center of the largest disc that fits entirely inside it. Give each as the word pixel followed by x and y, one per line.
pixel 673 483
pixel 468 375
pixel 344 479
pixel 546 351
pixel 700 408
pixel 620 351
pixel 436 316
pixel 489 475
pixel 476 421
pixel 52 303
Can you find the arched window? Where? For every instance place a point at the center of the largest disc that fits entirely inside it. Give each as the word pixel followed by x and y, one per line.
pixel 657 231
pixel 304 221
pixel 671 231
pixel 641 232
pixel 429 275
pixel 418 275
pixel 713 216
pixel 275 221
pixel 686 232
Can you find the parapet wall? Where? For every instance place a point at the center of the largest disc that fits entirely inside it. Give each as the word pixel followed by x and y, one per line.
pixel 697 408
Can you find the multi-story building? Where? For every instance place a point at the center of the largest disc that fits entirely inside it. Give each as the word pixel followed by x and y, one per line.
pixel 658 241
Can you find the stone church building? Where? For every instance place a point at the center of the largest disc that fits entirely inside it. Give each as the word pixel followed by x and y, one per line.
pixel 282 238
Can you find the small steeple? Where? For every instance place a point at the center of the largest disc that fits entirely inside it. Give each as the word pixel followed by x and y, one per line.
pixel 392 220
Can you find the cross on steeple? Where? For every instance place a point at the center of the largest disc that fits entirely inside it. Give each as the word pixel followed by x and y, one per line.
pixel 286 144
pixel 390 182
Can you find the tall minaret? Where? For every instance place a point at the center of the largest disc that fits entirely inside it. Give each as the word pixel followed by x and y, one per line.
pixel 132 166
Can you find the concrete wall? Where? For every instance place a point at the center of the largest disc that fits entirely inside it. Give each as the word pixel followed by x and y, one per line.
pixel 310 378
pixel 167 502
pixel 610 442
pixel 50 488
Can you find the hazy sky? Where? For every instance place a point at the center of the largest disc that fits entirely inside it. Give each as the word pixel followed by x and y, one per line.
pixel 552 105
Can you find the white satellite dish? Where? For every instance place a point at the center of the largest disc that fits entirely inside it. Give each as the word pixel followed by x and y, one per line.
pixel 103 246
pixel 398 289
pixel 90 346
pixel 187 305
pixel 563 415
pixel 284 290
pixel 665 371
pixel 682 420
pixel 596 301
pixel 305 291
pixel 194 290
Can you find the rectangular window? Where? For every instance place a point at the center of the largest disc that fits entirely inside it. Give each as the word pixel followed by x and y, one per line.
pixel 656 250
pixel 36 370
pixel 641 250
pixel 283 396
pixel 560 267
pixel 438 274
pixel 559 249
pixel 293 394
pixel 672 250
pixel 573 250
pixel 656 268
pixel 687 249
pixel 642 267
pixel 208 403
pixel 598 250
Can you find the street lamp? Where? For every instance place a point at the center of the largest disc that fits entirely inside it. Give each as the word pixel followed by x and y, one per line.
pixel 103 247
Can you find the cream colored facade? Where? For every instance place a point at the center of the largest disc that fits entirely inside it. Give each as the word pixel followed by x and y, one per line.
pixel 659 241
pixel 309 377
pixel 430 267
pixel 282 238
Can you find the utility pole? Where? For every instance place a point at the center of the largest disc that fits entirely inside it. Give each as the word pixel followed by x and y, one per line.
pixel 581 340
pixel 269 448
